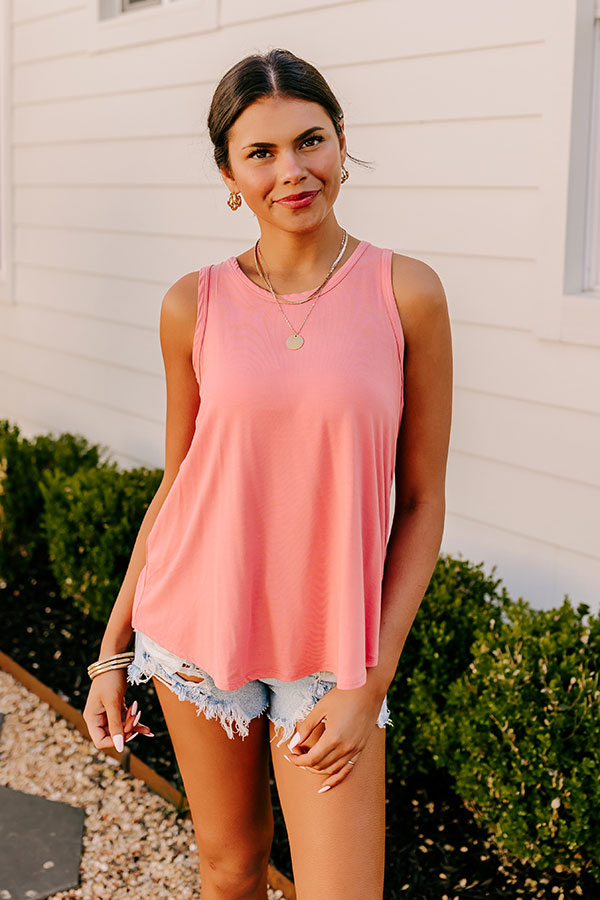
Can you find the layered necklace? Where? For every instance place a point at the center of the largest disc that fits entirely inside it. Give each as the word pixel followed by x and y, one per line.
pixel 295 339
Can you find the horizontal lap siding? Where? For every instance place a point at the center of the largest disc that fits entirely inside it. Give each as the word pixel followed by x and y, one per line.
pixel 530 566
pixel 525 502
pixel 534 437
pixel 27 400
pixel 101 386
pixel 116 196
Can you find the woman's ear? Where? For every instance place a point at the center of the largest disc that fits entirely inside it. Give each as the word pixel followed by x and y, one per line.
pixel 229 180
pixel 342 139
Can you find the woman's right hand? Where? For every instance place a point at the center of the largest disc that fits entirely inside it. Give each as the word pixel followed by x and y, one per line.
pixel 110 722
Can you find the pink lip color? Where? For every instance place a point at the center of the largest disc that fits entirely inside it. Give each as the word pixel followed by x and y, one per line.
pixel 301 201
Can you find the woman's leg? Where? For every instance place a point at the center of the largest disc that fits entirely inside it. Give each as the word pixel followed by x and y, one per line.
pixel 227 787
pixel 337 839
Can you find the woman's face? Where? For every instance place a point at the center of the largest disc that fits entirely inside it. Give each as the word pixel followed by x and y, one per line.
pixel 280 147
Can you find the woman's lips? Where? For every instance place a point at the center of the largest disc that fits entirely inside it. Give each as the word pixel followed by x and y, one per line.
pixel 304 199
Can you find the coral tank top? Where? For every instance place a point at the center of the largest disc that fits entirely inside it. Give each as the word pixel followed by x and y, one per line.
pixel 266 558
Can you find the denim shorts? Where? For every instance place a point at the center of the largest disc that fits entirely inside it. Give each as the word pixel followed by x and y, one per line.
pixel 285 702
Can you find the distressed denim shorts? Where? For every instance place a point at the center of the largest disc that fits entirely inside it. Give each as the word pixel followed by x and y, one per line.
pixel 286 702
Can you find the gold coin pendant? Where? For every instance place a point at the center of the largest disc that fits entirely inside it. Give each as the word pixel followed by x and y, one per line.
pixel 295 341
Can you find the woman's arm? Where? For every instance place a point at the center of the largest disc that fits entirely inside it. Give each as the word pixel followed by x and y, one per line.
pixel 421 458
pixel 177 326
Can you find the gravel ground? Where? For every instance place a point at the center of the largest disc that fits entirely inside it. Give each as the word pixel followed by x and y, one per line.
pixel 133 843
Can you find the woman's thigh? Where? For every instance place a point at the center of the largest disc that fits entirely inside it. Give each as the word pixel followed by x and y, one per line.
pixel 337 839
pixel 226 783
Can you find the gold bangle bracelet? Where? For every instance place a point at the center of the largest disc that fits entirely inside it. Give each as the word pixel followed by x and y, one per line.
pixel 109 662
pixel 108 668
pixel 118 658
pixel 126 654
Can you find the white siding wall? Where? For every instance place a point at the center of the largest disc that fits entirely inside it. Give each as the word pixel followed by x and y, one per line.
pixel 115 196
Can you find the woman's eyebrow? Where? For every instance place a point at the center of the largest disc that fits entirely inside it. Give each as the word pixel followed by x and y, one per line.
pixel 299 138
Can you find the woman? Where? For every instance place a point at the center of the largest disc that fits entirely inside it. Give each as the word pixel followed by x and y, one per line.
pixel 266 577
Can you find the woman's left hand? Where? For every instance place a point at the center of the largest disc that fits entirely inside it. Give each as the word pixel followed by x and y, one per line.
pixel 350 717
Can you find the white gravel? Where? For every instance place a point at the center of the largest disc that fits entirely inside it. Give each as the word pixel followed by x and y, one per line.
pixel 133 843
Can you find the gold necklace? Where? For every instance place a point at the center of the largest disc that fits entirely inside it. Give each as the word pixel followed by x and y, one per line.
pixel 262 272
pixel 295 340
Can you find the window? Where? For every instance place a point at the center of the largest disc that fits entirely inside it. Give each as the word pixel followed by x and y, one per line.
pixel 110 9
pixel 567 304
pixel 591 268
pixel 6 286
pixel 116 24
pixel 132 4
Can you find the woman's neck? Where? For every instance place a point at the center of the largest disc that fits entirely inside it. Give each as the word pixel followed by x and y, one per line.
pixel 297 262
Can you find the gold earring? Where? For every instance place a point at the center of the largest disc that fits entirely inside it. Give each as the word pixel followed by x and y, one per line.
pixel 345 174
pixel 234 200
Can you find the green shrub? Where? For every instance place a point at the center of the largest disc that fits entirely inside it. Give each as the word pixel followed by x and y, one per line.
pixel 23 549
pixel 459 603
pixel 522 736
pixel 92 519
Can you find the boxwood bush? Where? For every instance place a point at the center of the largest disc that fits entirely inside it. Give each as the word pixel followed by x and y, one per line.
pixel 522 735
pixel 92 519
pixel 502 697
pixel 23 461
pixel 459 604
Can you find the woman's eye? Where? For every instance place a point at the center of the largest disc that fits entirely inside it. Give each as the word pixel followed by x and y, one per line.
pixel 313 137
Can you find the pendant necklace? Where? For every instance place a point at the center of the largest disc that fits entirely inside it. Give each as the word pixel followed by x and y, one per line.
pixel 295 340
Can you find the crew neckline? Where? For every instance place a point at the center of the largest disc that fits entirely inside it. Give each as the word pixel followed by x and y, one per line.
pixel 333 281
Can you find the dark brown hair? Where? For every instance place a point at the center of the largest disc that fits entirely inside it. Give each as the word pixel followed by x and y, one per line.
pixel 274 73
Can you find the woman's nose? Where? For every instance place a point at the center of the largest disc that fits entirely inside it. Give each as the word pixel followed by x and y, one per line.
pixel 290 168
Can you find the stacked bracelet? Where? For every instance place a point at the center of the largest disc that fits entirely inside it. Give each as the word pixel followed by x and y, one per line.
pixel 118 661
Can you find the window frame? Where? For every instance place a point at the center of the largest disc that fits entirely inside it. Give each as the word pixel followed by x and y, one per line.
pixel 565 310
pixel 6 183
pixel 131 5
pixel 170 19
pixel 592 238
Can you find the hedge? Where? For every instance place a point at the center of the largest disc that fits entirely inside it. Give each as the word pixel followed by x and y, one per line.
pixel 522 735
pixel 459 605
pixel 23 462
pixel 502 697
pixel 92 519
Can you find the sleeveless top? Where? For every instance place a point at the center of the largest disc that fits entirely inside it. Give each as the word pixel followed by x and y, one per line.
pixel 266 558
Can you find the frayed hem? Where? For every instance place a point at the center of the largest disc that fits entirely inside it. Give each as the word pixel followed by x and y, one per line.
pixel 140 674
pixel 321 688
pixel 212 708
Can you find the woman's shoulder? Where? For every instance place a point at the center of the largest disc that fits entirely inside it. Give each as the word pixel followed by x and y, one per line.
pixel 418 289
pixel 179 305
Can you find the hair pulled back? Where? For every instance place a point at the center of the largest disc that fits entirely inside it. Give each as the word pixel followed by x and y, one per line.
pixel 274 73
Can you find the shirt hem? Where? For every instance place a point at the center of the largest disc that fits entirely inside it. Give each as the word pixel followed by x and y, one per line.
pixel 258 674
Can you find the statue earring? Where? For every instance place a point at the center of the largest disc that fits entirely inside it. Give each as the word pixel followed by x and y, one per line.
pixel 234 200
pixel 345 174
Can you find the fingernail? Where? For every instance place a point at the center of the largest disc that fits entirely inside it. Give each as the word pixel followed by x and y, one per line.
pixel 295 740
pixel 289 760
pixel 145 733
pixel 118 742
pixel 131 737
pixel 326 788
pixel 134 707
pixel 137 718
